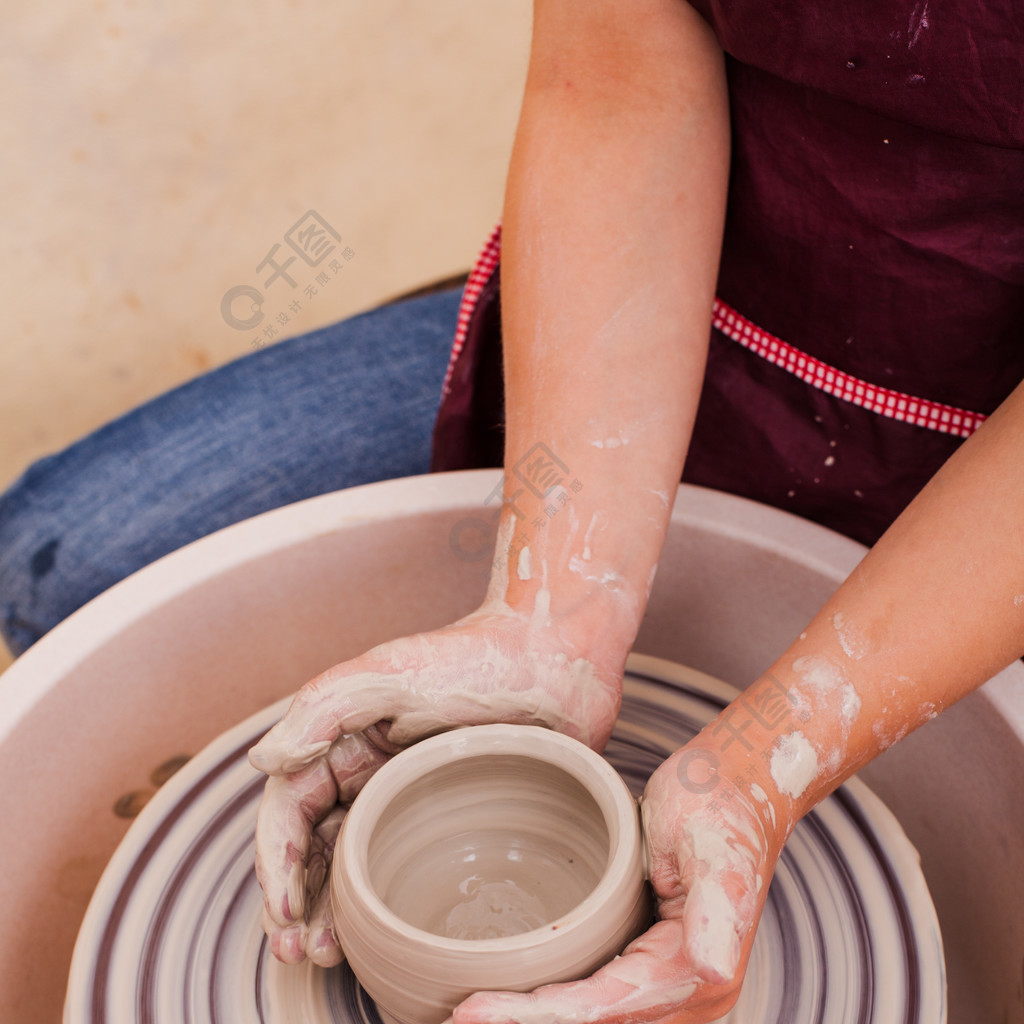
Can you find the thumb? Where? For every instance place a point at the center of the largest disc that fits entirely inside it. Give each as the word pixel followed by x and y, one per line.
pixel 711 931
pixel 649 982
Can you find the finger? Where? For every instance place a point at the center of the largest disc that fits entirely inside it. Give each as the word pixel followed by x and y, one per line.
pixel 291 807
pixel 713 931
pixel 409 698
pixel 352 760
pixel 320 943
pixel 321 853
pixel 650 982
pixel 324 710
pixel 287 944
pixel 426 715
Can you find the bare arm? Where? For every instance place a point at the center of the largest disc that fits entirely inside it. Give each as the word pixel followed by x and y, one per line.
pixel 612 234
pixel 934 609
pixel 613 226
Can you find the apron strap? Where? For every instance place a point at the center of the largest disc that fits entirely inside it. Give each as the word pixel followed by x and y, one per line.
pixel 897 405
pixel 485 265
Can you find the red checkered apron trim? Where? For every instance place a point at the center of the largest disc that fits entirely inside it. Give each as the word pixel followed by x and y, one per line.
pixel 482 270
pixel 895 404
pixel 920 412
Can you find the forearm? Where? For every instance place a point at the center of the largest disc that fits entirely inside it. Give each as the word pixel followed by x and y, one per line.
pixel 612 231
pixel 934 610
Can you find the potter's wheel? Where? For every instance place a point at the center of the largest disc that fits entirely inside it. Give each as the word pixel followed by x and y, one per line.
pixel 849 934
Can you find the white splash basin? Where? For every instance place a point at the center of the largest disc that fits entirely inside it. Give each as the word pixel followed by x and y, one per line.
pixel 170 658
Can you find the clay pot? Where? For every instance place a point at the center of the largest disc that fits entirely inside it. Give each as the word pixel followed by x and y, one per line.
pixel 500 857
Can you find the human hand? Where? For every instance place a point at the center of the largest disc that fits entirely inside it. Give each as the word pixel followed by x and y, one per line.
pixel 711 855
pixel 492 666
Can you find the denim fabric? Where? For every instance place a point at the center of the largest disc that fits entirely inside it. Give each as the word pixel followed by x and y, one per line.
pixel 349 404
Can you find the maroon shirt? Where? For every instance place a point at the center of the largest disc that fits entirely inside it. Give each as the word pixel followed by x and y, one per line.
pixel 875 222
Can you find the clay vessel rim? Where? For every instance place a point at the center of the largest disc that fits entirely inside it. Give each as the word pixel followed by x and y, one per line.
pixel 620 810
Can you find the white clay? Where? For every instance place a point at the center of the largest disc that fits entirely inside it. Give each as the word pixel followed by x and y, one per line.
pixel 833 685
pixel 608 578
pixel 762 798
pixel 851 705
pixel 716 943
pixel 887 737
pixel 497 588
pixel 794 764
pixel 853 643
pixel 819 673
pixel 597 522
pixel 541 618
pixel 523 568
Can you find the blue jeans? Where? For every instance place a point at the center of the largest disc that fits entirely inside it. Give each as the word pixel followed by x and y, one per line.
pixel 349 404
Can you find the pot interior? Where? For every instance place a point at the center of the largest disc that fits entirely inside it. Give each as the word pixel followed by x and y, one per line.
pixel 488 847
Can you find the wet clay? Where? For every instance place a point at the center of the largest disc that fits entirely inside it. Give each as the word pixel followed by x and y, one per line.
pixel 488 847
pixel 500 857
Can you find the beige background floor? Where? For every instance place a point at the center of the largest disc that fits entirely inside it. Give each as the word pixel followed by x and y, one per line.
pixel 153 157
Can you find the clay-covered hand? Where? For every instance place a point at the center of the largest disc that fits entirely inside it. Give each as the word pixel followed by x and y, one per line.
pixel 492 666
pixel 710 862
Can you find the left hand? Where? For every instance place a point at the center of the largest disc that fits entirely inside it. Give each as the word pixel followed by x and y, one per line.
pixel 492 666
pixel 711 860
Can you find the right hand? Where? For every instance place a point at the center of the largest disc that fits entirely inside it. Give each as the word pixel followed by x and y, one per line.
pixel 493 666
pixel 711 856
